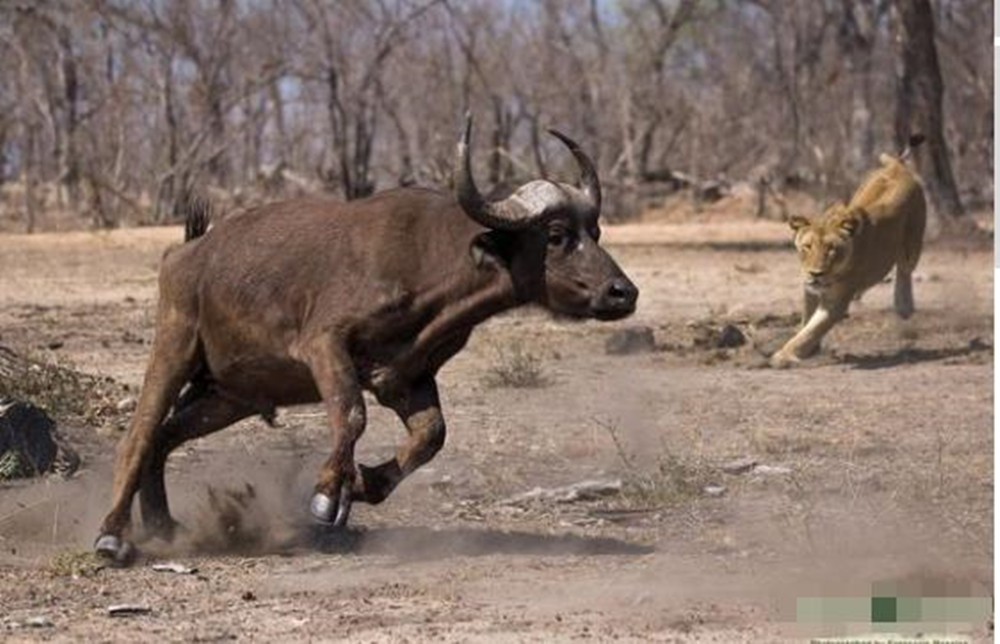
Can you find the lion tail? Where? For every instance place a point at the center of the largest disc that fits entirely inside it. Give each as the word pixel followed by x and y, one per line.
pixel 912 144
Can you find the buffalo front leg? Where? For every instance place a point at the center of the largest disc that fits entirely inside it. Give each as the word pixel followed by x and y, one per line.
pixel 420 411
pixel 338 387
pixel 170 365
pixel 200 417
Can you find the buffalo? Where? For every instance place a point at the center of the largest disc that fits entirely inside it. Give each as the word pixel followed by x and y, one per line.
pixel 313 300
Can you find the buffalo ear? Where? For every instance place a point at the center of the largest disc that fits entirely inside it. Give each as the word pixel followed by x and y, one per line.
pixel 853 221
pixel 491 249
pixel 797 222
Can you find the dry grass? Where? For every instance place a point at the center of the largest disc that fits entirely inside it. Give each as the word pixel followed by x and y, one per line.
pixel 75 563
pixel 10 465
pixel 59 389
pixel 515 367
pixel 673 479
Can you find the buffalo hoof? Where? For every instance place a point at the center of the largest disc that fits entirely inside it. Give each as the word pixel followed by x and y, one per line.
pixel 325 510
pixel 115 550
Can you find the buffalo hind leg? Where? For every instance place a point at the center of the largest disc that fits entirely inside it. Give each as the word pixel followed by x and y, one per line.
pixel 199 417
pixel 338 387
pixel 171 364
pixel 420 411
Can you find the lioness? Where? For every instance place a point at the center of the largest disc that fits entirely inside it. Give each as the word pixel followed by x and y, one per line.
pixel 852 247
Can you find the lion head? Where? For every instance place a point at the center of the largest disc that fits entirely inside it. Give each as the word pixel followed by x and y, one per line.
pixel 825 244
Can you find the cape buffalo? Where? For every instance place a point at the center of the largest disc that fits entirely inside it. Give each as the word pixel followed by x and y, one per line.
pixel 313 300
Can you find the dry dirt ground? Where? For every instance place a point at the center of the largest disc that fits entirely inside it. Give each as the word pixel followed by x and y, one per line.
pixel 879 477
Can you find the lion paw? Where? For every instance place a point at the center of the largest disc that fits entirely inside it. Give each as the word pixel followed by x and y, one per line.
pixel 783 360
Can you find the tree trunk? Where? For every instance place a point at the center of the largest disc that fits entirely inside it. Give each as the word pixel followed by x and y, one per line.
pixel 29 175
pixel 857 35
pixel 278 109
pixel 500 169
pixel 170 189
pixel 69 162
pixel 919 89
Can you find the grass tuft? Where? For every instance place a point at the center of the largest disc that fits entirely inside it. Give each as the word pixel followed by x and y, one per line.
pixel 59 389
pixel 673 479
pixel 10 465
pixel 75 563
pixel 515 368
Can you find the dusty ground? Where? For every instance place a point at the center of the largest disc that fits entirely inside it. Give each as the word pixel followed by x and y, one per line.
pixel 886 437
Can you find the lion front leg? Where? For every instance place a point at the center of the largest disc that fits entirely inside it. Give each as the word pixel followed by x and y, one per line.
pixel 810 300
pixel 806 342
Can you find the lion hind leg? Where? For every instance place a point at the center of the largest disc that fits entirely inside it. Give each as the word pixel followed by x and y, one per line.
pixel 903 293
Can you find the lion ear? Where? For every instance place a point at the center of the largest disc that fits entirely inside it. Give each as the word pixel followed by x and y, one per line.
pixel 853 221
pixel 797 222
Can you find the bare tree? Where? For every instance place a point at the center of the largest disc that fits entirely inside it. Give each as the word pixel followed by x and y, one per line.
pixel 919 92
pixel 112 110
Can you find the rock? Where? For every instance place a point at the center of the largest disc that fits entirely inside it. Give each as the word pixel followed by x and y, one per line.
pixel 714 491
pixel 731 337
pixel 977 344
pixel 248 596
pixel 582 491
pixel 633 339
pixel 40 621
pixel 126 610
pixel 27 440
pixel 174 567
pixel 126 404
pixel 739 466
pixel 710 336
pixel 772 470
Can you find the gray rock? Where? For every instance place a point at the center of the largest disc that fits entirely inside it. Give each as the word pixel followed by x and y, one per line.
pixel 27 439
pixel 731 337
pixel 714 491
pixel 739 466
pixel 582 491
pixel 174 567
pixel 126 404
pixel 709 336
pixel 772 470
pixel 39 621
pixel 126 610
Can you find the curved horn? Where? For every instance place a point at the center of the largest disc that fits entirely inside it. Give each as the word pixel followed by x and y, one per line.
pixel 517 212
pixel 588 174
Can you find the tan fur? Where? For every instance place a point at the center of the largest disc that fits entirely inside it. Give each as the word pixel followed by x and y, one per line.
pixel 852 247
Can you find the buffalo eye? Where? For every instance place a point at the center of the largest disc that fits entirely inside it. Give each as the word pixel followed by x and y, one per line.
pixel 558 237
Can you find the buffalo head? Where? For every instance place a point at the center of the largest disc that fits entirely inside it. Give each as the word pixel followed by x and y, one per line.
pixel 547 234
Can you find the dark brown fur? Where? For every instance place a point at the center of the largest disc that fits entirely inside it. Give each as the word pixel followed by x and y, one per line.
pixel 313 300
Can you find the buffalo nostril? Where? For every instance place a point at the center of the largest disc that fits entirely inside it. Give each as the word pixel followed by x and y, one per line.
pixel 621 292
